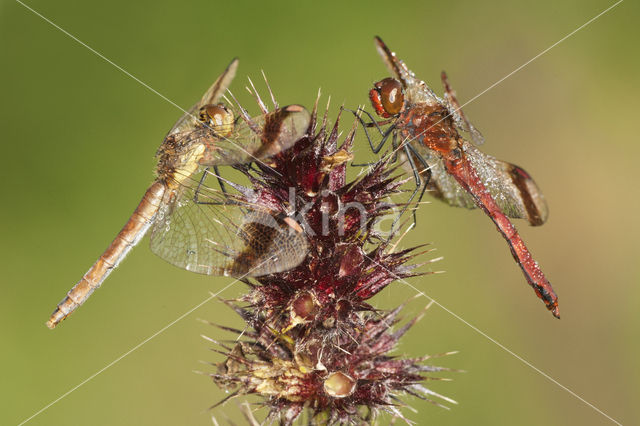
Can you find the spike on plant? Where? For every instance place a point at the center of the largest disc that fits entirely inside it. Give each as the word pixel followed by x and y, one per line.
pixel 312 341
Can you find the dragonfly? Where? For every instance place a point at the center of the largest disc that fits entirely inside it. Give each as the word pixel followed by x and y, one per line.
pixel 428 131
pixel 194 226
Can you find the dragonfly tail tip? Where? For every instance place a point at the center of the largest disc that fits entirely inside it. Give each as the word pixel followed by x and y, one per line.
pixel 55 319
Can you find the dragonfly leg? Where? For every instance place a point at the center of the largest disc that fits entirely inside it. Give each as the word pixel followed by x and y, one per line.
pixel 420 180
pixel 425 173
pixel 220 181
pixel 373 123
pixel 195 195
pixel 394 145
pixel 223 188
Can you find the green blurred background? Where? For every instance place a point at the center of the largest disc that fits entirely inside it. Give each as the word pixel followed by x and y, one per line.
pixel 78 138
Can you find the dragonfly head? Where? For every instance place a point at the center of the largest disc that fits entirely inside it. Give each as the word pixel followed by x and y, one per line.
pixel 218 118
pixel 387 97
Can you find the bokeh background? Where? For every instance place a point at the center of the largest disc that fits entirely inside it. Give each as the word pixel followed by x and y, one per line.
pixel 78 138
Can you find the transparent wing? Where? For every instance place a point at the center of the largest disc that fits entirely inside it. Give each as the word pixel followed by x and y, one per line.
pixel 252 140
pixel 205 231
pixel 211 96
pixel 415 89
pixel 451 101
pixel 511 187
pixel 441 184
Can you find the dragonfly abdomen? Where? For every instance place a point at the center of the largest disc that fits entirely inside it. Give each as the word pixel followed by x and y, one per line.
pixel 466 176
pixel 128 237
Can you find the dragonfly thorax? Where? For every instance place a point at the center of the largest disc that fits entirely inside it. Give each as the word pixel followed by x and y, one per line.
pixel 218 118
pixel 429 125
pixel 178 159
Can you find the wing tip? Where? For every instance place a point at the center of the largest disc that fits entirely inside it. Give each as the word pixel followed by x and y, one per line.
pixel 234 63
pixel 383 49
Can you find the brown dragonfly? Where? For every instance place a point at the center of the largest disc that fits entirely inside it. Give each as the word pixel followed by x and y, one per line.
pixel 427 130
pixel 194 226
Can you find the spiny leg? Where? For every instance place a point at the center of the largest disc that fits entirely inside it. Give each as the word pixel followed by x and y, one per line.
pixel 394 145
pixel 419 180
pixel 197 192
pixel 223 188
pixel 425 168
pixel 373 123
pixel 220 181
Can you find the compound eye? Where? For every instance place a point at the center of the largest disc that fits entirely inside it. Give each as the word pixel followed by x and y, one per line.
pixel 218 118
pixel 391 95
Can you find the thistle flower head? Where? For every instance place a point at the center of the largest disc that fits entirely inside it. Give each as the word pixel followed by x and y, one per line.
pixel 312 341
pixel 346 380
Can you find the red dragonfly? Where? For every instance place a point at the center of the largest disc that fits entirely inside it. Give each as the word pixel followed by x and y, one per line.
pixel 427 129
pixel 194 226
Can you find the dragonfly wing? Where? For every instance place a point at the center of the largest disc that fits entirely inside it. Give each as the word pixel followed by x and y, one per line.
pixel 270 244
pixel 441 184
pixel 459 117
pixel 218 88
pixel 415 90
pixel 511 187
pixel 258 138
pixel 205 231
